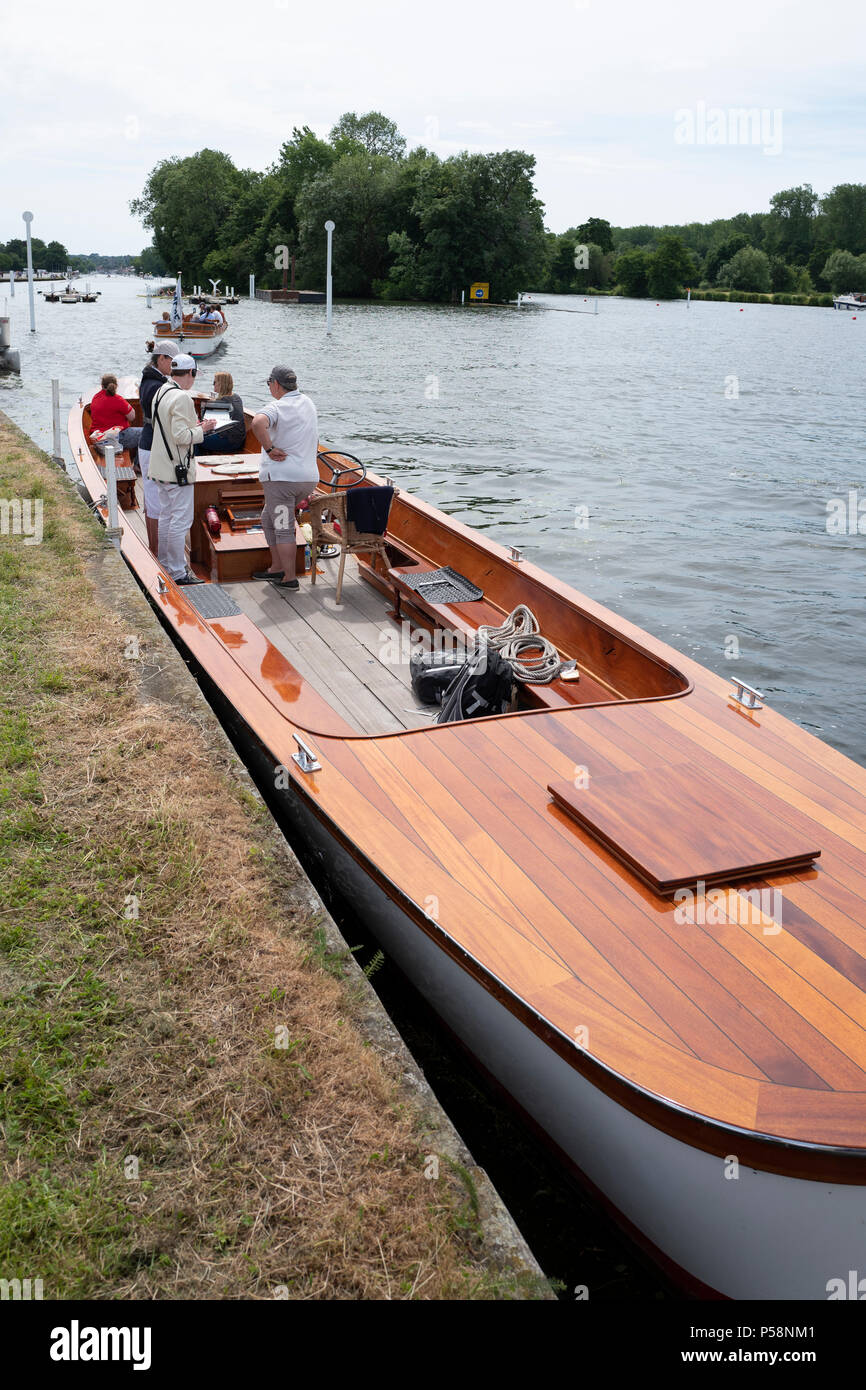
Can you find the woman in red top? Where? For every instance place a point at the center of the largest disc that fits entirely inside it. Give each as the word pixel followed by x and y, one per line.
pixel 109 411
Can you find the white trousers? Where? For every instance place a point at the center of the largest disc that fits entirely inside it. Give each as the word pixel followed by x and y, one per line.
pixel 150 489
pixel 176 510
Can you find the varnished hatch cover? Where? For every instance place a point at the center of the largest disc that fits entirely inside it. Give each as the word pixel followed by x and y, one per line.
pixel 677 823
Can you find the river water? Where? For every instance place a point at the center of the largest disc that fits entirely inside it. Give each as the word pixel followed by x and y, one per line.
pixel 675 463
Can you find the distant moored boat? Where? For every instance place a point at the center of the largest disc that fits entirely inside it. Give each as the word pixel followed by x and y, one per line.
pixel 849 301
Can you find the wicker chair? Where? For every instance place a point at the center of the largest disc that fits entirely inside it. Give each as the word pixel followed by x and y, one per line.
pixel 348 538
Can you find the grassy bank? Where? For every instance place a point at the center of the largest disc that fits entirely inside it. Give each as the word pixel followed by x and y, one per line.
pixel 814 301
pixel 187 1107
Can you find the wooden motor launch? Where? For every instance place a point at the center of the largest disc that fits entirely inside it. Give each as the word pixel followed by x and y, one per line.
pixel 637 898
pixel 197 339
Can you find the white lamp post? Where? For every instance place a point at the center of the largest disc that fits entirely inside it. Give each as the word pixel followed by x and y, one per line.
pixel 329 228
pixel 28 218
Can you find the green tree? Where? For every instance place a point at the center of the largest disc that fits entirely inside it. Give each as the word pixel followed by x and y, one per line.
pixel 671 267
pixel 150 262
pixel 56 256
pixel 575 264
pixel 790 225
pixel 631 273
pixel 186 204
pixel 845 273
pixel 38 251
pixel 373 132
pixel 479 219
pixel 748 269
pixel 722 253
pixel 357 194
pixel 782 275
pixel 596 232
pixel 302 159
pixel 844 208
pixel 16 249
pixel 596 273
pixel 560 257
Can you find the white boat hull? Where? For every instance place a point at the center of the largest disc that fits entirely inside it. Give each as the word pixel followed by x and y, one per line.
pixel 199 347
pixel 757 1235
pixel 194 344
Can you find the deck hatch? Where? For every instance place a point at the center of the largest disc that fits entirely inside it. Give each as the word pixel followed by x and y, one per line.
pixel 676 824
pixel 443 586
pixel 212 601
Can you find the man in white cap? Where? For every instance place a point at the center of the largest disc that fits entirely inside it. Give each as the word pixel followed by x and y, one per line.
pixel 156 374
pixel 176 429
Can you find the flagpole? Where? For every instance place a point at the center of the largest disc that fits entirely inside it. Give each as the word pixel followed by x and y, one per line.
pixel 177 306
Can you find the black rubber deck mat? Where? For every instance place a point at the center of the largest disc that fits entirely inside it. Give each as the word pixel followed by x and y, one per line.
pixel 211 600
pixel 443 586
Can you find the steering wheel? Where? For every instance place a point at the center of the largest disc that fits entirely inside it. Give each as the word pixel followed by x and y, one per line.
pixel 342 478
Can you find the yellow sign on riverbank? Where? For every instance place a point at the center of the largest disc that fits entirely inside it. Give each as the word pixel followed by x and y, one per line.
pixel 480 290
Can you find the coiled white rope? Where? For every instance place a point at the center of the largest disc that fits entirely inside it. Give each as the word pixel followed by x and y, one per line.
pixel 520 634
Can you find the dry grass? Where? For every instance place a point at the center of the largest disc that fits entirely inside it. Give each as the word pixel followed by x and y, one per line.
pixel 151 961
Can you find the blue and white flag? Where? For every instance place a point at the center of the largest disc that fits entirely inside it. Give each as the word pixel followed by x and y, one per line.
pixel 176 308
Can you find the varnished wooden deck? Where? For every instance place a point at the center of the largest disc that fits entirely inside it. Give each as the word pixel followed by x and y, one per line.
pixel 755 1026
pixel 342 651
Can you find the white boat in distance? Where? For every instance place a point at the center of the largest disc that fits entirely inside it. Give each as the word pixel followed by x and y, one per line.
pixel 849 301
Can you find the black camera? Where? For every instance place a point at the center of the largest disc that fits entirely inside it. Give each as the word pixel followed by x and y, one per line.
pixel 181 472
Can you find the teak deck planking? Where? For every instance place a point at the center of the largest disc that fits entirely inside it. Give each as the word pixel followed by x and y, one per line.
pixel 703 1029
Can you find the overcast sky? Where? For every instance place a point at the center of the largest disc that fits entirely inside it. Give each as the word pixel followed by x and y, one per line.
pixel 617 101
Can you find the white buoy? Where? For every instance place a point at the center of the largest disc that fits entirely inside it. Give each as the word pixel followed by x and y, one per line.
pixel 28 218
pixel 12 284
pixel 329 228
pixel 252 287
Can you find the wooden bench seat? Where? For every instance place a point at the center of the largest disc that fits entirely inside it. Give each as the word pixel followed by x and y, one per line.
pixel 235 555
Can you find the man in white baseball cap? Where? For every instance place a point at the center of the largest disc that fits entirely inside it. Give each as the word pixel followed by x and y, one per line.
pixel 156 373
pixel 176 429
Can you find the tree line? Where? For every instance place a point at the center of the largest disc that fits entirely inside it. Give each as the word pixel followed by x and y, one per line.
pixel 53 256
pixel 804 244
pixel 412 226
